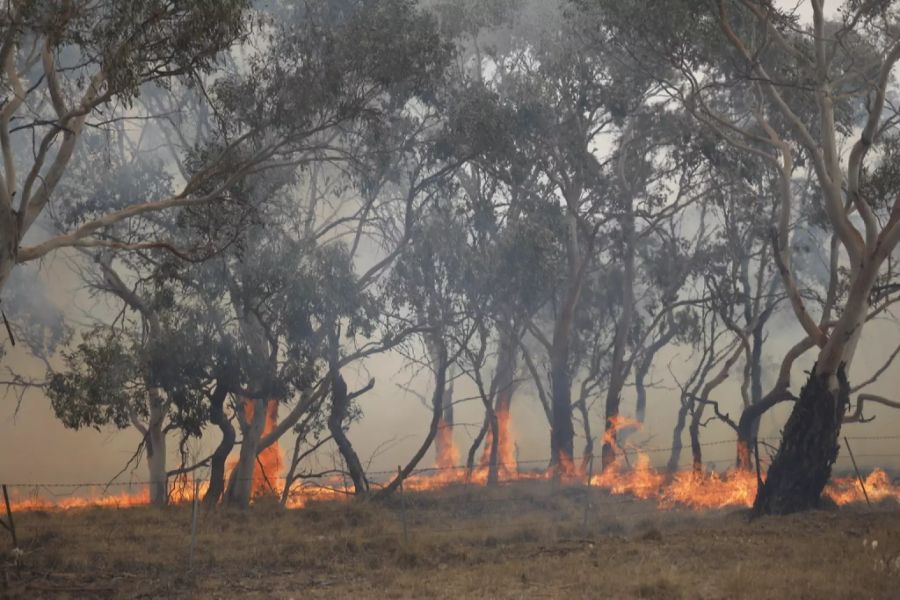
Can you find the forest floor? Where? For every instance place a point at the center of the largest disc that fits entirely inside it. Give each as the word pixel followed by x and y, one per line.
pixel 524 540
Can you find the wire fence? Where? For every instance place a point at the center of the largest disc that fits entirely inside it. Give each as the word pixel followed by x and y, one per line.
pixel 47 494
pixel 526 504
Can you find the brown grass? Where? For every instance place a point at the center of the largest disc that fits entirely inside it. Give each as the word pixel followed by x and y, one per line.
pixel 523 540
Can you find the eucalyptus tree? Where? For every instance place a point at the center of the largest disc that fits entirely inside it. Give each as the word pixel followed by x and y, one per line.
pixel 563 99
pixel 801 97
pixel 71 66
pixel 150 368
pixel 268 268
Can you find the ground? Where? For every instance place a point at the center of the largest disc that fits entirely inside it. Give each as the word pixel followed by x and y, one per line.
pixel 528 540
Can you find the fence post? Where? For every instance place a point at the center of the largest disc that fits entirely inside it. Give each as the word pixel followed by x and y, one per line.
pixel 862 483
pixel 9 517
pixel 194 511
pixel 403 506
pixel 11 526
pixel 587 496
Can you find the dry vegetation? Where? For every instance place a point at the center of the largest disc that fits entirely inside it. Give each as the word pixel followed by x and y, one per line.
pixel 523 540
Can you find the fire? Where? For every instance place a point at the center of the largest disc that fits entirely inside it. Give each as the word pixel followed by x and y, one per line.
pixel 687 488
pixel 507 466
pixel 270 461
pixel 845 490
pixel 446 452
pixel 619 424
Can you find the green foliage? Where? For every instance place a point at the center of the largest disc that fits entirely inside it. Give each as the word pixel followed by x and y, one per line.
pixel 336 61
pixel 99 386
pixel 137 41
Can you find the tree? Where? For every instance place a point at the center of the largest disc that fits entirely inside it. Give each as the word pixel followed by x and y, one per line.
pixel 70 66
pixel 793 96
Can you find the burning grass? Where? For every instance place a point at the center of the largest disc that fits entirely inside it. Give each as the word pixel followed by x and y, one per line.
pixel 524 539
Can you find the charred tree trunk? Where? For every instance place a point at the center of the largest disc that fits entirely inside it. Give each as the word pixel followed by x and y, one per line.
pixel 696 449
pixel 809 447
pixel 493 474
pixel 217 462
pixel 562 434
pixel 340 406
pixel 675 453
pixel 479 437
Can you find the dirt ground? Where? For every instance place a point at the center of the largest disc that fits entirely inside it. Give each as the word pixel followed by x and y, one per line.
pixel 533 540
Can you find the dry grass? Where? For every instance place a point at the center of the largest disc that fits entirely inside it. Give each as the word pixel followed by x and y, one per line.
pixel 523 540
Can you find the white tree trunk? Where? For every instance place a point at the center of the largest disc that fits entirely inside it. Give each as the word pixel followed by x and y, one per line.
pixel 841 346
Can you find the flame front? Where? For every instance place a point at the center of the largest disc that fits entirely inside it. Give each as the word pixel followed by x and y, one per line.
pixel 698 491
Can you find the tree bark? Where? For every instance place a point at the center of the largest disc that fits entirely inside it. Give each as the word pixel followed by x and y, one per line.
pixel 9 243
pixel 562 435
pixel 504 384
pixel 677 431
pixel 156 453
pixel 620 365
pixel 809 447
pixel 240 484
pixel 340 406
pixel 217 461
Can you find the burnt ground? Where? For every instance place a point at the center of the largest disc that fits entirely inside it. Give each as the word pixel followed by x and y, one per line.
pixel 527 540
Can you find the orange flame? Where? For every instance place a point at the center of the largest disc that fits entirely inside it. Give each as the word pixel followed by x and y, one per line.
pixel 446 452
pixel 698 491
pixel 507 466
pixel 270 461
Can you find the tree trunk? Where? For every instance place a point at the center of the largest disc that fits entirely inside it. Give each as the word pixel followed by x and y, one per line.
pixel 156 454
pixel 562 434
pixel 501 456
pixel 340 406
pixel 9 243
pixel 493 475
pixel 696 450
pixel 240 484
pixel 809 447
pixel 217 462
pixel 476 441
pixel 588 435
pixel 675 453
pixel 756 394
pixel 446 454
pixel 620 365
pixel 640 388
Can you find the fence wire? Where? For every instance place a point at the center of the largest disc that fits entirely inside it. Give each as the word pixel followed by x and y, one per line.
pixel 338 486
